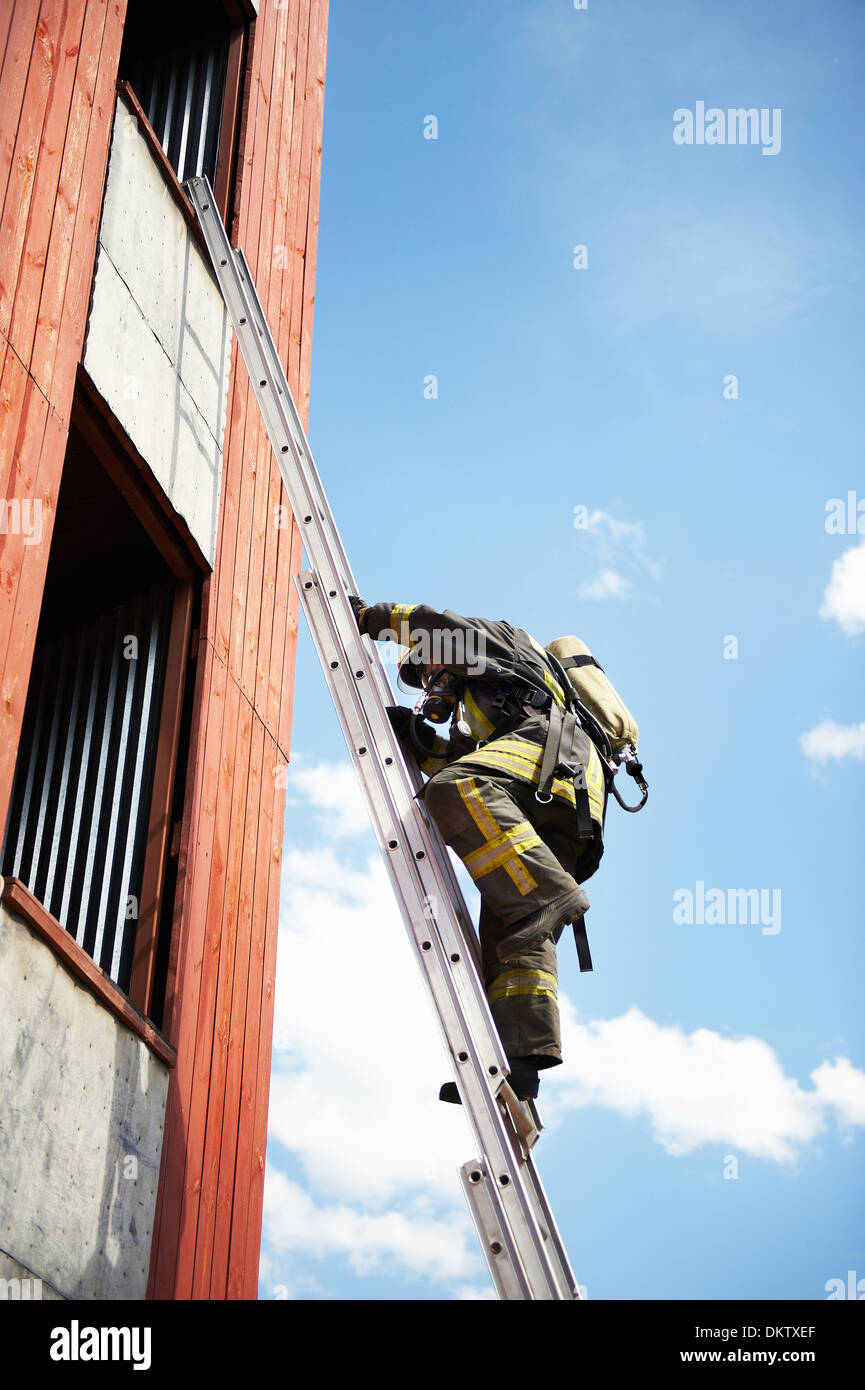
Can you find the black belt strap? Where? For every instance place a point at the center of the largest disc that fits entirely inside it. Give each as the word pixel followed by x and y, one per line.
pixel 584 955
pixel 573 663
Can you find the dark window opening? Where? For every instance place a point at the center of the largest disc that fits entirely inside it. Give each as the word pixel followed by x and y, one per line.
pixel 85 833
pixel 185 65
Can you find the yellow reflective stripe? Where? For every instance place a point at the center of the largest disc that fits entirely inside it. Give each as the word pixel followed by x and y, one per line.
pixel 519 875
pixel 399 621
pixel 541 976
pixel 522 982
pixel 430 766
pixel 519 989
pixel 549 679
pixel 595 784
pixel 523 830
pixel 490 829
pixel 553 686
pixel 477 808
pixel 519 840
pixel 518 749
pixel 523 758
pixel 509 763
pixel 480 725
pixel 437 757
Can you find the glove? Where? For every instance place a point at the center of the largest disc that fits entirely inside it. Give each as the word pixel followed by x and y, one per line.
pixel 360 610
pixel 411 729
pixel 400 719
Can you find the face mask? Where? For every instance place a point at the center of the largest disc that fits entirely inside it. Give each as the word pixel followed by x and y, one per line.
pixel 440 698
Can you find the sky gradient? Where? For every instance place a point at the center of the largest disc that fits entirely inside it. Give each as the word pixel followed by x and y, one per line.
pixel 638 442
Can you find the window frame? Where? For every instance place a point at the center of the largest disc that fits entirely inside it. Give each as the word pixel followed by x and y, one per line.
pixel 118 458
pixel 127 472
pixel 241 15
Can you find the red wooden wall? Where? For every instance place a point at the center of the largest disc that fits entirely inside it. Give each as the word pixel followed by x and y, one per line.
pixel 210 1200
pixel 59 67
pixel 57 87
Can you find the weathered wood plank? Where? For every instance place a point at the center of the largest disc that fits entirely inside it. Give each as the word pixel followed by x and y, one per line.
pixel 12 386
pixel 285 678
pixel 279 328
pixel 72 241
pixel 21 36
pixel 34 249
pixel 265 261
pixel 317 66
pixel 6 14
pixel 255 441
pixel 232 1176
pixel 256 1162
pixel 200 858
pixel 25 155
pixel 233 465
pixel 209 1117
pixel 76 295
pixel 39 451
pixel 292 288
pixel 200 1051
pixel 264 921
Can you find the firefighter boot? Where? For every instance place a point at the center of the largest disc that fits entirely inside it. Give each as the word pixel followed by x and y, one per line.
pixel 569 907
pixel 523 1079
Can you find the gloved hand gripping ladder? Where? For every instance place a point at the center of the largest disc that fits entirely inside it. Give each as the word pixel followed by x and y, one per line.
pixel 523 1249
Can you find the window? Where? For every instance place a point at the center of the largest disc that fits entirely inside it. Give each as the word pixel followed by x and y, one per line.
pixel 184 63
pixel 95 798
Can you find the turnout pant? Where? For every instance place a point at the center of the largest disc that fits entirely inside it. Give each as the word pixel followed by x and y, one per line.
pixel 521 854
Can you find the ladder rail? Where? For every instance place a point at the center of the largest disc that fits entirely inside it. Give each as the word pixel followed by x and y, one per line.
pixel 504 1190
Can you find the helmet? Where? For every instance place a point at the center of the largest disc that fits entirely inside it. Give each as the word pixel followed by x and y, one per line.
pixel 410 668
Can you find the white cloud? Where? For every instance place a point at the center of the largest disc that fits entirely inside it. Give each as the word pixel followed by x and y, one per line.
pixel 416 1240
pixel 358 1062
pixel 608 584
pixel 629 534
pixel 699 1088
pixel 844 599
pixel 842 1086
pixel 354 1090
pixel 619 547
pixel 333 792
pixel 830 740
pixel 358 1058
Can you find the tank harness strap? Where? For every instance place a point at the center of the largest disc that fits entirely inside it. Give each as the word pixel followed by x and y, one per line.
pixel 575 662
pixel 560 760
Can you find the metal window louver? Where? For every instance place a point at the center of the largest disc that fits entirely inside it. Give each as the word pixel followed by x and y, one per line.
pixel 80 804
pixel 182 93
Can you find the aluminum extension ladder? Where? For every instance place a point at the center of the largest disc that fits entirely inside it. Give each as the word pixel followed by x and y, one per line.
pixel 522 1246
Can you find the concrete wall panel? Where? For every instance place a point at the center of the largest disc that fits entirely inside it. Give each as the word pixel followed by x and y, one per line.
pixel 158 342
pixel 82 1106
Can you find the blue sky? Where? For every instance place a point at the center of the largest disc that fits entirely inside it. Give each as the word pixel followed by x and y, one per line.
pixel 704 579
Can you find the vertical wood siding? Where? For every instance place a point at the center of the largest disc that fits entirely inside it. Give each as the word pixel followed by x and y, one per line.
pixel 58 70
pixel 220 1015
pixel 58 67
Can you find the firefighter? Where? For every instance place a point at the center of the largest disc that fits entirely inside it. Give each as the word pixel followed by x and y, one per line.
pixel 523 810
